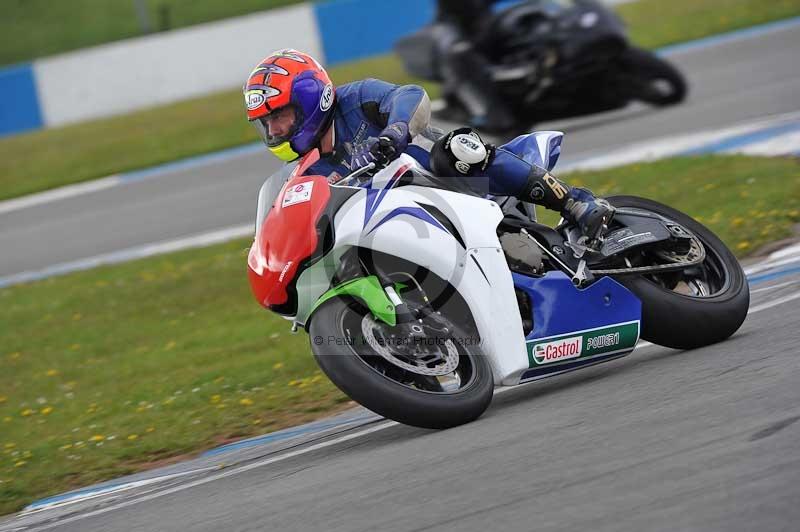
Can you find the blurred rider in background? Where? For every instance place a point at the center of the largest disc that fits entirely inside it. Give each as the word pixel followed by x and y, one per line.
pixel 465 66
pixel 294 106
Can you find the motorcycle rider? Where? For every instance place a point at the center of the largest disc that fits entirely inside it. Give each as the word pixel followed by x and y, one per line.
pixel 291 101
pixel 465 67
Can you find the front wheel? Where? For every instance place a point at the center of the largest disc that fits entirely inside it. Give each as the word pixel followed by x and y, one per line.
pixel 694 307
pixel 426 374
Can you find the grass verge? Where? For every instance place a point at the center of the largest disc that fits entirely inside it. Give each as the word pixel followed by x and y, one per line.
pixel 117 369
pixel 36 28
pixel 51 158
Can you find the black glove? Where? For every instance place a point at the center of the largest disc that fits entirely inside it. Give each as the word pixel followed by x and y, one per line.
pixel 393 141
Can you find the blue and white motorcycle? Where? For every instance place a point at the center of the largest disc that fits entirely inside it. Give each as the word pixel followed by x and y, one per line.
pixel 420 296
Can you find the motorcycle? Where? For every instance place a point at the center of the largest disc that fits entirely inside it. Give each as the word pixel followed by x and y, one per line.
pixel 551 59
pixel 420 295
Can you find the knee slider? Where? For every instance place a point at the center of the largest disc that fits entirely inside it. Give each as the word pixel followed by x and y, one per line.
pixel 461 152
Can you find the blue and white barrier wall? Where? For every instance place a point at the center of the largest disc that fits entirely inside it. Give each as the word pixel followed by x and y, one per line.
pixel 146 71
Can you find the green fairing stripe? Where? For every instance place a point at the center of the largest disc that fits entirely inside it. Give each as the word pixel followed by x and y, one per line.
pixel 581 345
pixel 370 292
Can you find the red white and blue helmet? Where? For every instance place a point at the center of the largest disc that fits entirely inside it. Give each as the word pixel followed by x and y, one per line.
pixel 290 78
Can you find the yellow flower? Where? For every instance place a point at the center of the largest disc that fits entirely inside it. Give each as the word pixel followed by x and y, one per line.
pixel 277 366
pixel 256 421
pixel 171 344
pixel 6 419
pixel 133 437
pixel 46 410
pixel 245 402
pixel 97 437
pixel 52 372
pixel 77 316
pixel 743 245
pixel 3 398
pixel 294 382
pixel 27 412
pixel 216 398
pixel 14 356
pixel 149 429
pixel 65 447
pixel 20 463
pixel 10 445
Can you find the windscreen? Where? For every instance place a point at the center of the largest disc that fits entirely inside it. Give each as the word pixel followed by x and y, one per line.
pixel 269 192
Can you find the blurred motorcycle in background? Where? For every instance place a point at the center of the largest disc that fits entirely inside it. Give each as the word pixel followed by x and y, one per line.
pixel 547 59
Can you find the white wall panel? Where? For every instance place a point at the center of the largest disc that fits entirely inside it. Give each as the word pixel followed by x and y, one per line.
pixel 173 66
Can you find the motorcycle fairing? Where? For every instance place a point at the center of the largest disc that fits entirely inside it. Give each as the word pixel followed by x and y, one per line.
pixel 472 262
pixel 601 322
pixel 292 237
pixel 541 148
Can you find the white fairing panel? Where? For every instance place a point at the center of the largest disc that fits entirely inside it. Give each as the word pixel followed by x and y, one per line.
pixel 394 222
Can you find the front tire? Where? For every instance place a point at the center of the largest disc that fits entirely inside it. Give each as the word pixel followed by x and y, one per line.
pixel 395 393
pixel 685 321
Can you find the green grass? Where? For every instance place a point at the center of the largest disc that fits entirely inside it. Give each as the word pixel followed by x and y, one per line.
pixel 656 23
pixel 117 369
pixel 50 158
pixel 36 28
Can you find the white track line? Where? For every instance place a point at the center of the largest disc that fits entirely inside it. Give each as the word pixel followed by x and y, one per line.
pixel 773 303
pixel 772 287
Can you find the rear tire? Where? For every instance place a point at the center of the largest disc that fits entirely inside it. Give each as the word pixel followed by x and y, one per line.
pixel 651 79
pixel 681 321
pixel 347 366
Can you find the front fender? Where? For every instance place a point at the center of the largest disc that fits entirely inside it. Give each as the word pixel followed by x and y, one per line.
pixel 368 290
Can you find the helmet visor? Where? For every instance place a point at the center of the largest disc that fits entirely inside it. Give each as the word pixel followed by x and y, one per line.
pixel 279 126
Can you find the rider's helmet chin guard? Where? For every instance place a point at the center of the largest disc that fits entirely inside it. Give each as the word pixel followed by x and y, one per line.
pixel 283 82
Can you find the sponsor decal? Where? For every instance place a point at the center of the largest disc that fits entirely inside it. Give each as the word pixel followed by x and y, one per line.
pixel 559 350
pixel 583 344
pixel 298 194
pixel 359 136
pixel 284 270
pixel 326 100
pixel 254 100
pixel 462 167
pixel 604 340
pixel 467 149
pixel 556 186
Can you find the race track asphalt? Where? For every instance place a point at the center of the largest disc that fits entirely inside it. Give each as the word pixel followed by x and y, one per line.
pixel 702 440
pixel 731 82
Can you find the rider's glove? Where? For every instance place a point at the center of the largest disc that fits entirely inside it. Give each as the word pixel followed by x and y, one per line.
pixel 392 142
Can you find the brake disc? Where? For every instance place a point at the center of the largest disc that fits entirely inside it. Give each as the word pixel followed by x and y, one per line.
pixel 434 365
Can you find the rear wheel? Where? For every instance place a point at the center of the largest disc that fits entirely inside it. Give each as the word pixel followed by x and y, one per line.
pixel 423 374
pixel 650 79
pixel 696 306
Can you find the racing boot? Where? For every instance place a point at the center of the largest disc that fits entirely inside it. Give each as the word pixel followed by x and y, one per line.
pixel 591 214
pixel 576 205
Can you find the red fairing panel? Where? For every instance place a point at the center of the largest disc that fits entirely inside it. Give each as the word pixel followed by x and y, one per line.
pixel 287 237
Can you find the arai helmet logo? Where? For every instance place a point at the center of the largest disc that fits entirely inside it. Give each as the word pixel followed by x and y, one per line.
pixel 254 100
pixel 558 350
pixel 326 100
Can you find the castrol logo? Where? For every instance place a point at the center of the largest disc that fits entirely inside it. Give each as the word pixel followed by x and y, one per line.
pixel 558 350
